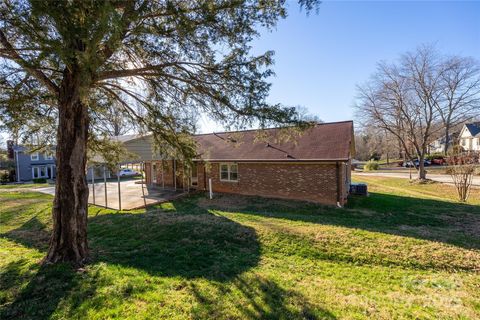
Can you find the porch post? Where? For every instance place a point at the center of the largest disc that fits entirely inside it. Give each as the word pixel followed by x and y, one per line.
pixel 142 164
pixel 163 177
pixel 93 185
pixel 189 179
pixel 105 184
pixel 119 191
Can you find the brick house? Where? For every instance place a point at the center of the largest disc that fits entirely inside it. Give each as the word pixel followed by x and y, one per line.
pixel 312 166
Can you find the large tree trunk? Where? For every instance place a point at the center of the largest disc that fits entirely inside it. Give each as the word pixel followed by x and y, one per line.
pixel 69 238
pixel 447 139
pixel 422 174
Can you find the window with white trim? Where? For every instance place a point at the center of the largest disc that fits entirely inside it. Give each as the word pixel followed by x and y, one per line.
pixel 228 172
pixel 48 156
pixel 34 156
pixel 35 172
pixel 39 172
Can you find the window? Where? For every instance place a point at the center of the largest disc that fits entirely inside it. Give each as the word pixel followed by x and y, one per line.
pixel 224 172
pixel 43 171
pixel 34 156
pixel 48 156
pixel 35 172
pixel 39 172
pixel 228 172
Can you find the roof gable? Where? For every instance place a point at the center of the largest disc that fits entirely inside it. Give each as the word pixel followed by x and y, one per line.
pixel 473 128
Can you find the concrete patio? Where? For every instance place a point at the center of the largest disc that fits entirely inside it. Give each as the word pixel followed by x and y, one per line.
pixel 131 194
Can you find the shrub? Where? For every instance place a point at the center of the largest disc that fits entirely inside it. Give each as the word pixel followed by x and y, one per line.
pixel 371 166
pixel 462 170
pixel 477 171
pixel 40 180
pixel 435 155
pixel 4 177
pixel 375 156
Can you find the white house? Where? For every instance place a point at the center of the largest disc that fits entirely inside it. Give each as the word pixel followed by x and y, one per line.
pixel 438 145
pixel 470 137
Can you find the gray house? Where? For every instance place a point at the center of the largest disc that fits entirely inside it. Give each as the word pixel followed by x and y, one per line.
pixel 33 165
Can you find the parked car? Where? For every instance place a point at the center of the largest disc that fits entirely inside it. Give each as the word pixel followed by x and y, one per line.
pixel 128 173
pixel 440 161
pixel 416 163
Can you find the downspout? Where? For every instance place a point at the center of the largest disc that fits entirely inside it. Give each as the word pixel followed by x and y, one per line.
pixel 337 165
pixel 175 174
pixel 18 166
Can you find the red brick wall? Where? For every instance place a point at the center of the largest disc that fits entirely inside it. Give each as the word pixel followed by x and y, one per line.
pixel 301 181
pixel 316 182
pixel 148 171
pixel 201 176
pixel 165 178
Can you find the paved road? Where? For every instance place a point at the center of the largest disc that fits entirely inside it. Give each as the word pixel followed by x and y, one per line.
pixel 444 178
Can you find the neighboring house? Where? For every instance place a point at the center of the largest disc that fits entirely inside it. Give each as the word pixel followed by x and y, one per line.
pixel 470 136
pixel 41 165
pixel 33 165
pixel 438 145
pixel 315 166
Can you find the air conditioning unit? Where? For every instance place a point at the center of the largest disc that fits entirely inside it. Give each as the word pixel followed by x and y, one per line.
pixel 359 189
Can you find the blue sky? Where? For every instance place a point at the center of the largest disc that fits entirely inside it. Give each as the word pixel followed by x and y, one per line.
pixel 320 58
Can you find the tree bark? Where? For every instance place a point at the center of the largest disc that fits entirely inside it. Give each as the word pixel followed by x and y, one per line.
pixel 422 174
pixel 69 238
pixel 447 138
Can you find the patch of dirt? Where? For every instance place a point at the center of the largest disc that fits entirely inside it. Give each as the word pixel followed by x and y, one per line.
pixel 363 212
pixel 420 230
pixel 424 181
pixel 224 201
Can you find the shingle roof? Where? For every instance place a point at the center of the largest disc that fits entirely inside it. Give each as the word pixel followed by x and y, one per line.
pixel 325 141
pixel 474 128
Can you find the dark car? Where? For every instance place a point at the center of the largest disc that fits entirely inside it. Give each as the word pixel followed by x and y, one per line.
pixel 416 163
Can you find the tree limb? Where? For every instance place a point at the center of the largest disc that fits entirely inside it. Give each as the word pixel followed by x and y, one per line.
pixel 13 55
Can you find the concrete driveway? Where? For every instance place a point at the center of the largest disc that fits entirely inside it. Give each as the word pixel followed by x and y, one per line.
pixel 131 195
pixel 444 178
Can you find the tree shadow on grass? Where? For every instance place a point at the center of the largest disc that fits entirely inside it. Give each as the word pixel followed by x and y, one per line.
pixel 32 234
pixel 453 223
pixel 191 246
pixel 259 298
pixel 170 244
pixel 37 290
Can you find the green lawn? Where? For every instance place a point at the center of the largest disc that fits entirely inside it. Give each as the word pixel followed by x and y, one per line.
pixel 24 186
pixel 407 251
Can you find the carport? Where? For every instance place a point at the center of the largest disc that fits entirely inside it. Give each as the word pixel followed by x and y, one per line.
pixel 111 191
pixel 126 193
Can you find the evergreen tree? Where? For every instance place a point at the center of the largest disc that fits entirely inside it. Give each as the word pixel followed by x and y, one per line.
pixel 64 64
